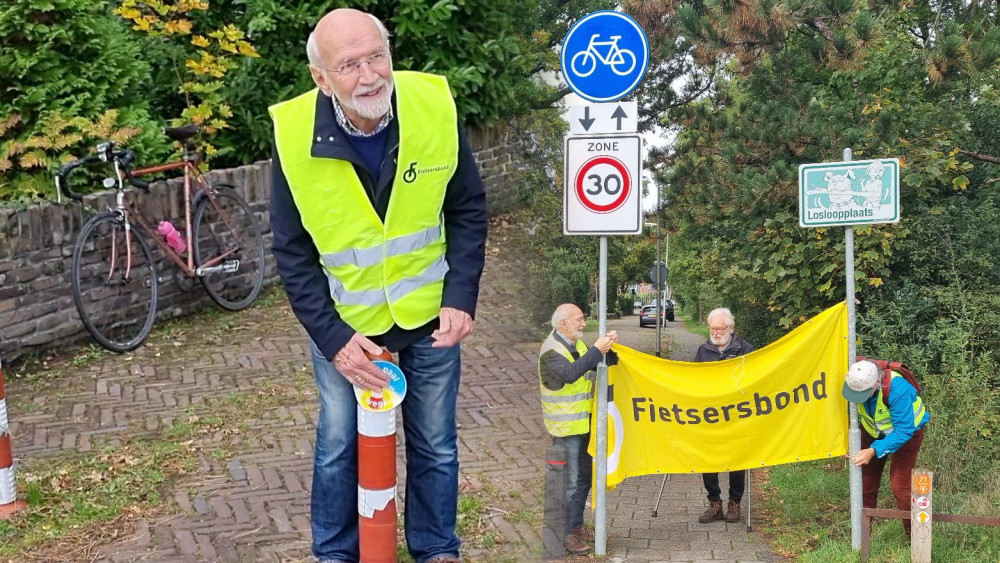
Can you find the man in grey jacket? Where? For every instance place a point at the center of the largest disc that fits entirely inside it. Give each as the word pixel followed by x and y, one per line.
pixel 723 344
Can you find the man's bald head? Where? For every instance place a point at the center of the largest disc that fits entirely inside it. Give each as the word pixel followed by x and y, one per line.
pixel 568 319
pixel 333 25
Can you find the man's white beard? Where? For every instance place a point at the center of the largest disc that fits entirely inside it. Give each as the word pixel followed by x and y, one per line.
pixel 722 339
pixel 373 108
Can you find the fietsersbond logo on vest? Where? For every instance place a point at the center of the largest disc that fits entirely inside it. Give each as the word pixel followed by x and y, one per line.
pixel 410 175
pixel 839 214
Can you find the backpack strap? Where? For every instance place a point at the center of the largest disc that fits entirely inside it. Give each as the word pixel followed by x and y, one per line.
pixel 886 384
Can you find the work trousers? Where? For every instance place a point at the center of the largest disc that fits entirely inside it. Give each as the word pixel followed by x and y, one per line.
pixel 901 464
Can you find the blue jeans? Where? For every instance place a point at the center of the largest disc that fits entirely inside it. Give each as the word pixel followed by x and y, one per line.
pixel 432 376
pixel 579 465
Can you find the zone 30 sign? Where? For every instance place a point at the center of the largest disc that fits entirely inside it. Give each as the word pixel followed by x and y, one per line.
pixel 601 195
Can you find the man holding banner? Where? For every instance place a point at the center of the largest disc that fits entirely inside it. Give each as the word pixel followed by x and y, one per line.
pixel 723 344
pixel 566 381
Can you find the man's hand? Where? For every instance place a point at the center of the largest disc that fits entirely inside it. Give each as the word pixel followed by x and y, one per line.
pixel 613 335
pixel 863 456
pixel 604 344
pixel 455 325
pixel 355 366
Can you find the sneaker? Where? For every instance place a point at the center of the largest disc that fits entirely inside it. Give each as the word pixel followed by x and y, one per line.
pixel 712 513
pixel 444 559
pixel 733 512
pixel 576 546
pixel 584 533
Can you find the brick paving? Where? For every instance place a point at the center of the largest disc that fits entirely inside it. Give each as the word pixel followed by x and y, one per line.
pixel 253 504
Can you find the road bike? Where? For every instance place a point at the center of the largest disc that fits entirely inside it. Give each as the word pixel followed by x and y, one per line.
pixel 114 273
pixel 585 62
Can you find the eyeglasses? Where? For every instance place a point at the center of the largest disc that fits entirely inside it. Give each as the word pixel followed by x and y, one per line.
pixel 377 60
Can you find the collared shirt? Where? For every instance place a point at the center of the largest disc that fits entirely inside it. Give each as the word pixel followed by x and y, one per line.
pixel 349 127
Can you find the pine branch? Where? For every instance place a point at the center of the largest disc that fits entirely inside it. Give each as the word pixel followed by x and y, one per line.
pixel 980 156
pixel 820 26
pixel 547 102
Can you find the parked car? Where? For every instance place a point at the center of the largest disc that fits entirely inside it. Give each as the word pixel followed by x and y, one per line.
pixel 637 304
pixel 648 314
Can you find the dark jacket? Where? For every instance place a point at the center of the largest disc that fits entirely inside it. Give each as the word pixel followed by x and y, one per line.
pixel 298 262
pixel 556 371
pixel 709 352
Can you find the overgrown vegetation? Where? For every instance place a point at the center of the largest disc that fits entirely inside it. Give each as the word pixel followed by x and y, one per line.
pixel 72 61
pixel 795 83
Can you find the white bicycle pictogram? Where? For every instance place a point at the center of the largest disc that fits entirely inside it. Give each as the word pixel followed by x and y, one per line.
pixel 615 58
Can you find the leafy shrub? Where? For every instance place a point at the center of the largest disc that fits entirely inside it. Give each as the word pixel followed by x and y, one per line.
pixel 63 65
pixel 625 304
pixel 27 162
pixel 555 279
pixel 209 55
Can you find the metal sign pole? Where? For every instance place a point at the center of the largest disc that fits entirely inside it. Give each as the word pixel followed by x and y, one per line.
pixel 659 292
pixel 601 455
pixel 853 433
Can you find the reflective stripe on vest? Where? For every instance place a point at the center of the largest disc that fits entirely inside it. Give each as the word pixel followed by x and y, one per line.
pixel 881 424
pixel 567 411
pixel 388 273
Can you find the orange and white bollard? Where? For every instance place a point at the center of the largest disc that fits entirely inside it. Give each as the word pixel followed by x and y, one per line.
pixel 8 491
pixel 377 464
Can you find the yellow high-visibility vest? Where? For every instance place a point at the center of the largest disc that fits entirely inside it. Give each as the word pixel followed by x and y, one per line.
pixel 388 273
pixel 567 411
pixel 881 423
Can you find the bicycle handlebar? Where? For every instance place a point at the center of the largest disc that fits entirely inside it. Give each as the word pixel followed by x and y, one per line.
pixel 124 158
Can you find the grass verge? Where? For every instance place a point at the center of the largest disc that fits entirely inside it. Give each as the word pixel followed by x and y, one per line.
pixel 806 513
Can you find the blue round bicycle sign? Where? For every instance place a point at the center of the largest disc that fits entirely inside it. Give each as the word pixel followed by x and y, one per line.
pixel 604 56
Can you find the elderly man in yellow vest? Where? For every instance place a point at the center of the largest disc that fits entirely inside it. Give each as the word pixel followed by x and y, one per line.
pixel 566 381
pixel 379 222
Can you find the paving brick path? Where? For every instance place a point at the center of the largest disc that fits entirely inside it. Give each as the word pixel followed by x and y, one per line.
pixel 253 504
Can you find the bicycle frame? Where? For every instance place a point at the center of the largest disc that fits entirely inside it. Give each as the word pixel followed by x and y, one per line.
pixel 614 53
pixel 192 175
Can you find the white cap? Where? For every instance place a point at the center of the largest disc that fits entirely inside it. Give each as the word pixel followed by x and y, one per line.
pixel 861 378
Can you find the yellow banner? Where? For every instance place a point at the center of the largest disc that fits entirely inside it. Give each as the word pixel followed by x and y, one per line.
pixel 779 404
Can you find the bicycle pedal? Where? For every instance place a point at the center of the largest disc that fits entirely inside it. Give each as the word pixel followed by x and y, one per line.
pixel 231 266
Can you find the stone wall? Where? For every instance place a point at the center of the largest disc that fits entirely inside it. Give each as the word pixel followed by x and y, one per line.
pixel 36 248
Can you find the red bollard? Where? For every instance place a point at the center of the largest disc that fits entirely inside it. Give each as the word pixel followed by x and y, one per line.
pixel 377 464
pixel 8 491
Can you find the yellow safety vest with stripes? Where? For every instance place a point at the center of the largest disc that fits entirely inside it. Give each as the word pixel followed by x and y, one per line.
pixel 388 273
pixel 567 411
pixel 881 423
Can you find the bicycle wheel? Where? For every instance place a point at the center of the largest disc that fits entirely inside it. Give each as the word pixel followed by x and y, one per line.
pixel 114 283
pixel 229 248
pixel 587 64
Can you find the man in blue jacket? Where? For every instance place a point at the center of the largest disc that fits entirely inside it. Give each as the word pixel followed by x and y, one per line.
pixel 379 222
pixel 893 426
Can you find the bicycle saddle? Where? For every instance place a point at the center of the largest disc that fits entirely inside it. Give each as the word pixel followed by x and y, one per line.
pixel 181 133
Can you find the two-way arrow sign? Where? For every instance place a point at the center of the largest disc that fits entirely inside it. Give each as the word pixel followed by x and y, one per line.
pixel 616 117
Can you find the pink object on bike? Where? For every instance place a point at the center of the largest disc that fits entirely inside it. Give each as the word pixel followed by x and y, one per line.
pixel 173 238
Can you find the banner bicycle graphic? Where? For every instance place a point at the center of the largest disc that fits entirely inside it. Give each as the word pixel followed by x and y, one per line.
pixel 616 57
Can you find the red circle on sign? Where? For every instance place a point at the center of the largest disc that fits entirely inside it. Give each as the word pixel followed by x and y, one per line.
pixel 582 174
